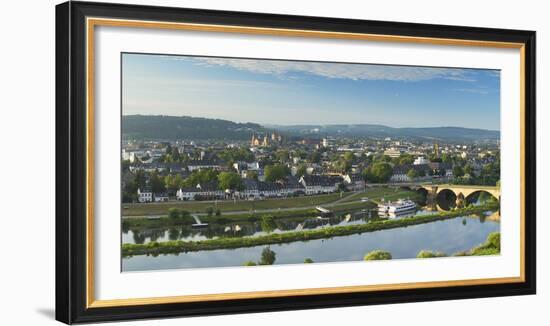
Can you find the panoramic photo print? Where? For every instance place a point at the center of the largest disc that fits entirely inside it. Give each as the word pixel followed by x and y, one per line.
pixel 247 162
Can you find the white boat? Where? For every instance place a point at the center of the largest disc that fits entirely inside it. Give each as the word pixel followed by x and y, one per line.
pixel 396 207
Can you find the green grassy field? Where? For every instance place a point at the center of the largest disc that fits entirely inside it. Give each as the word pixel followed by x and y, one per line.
pixel 164 221
pixel 228 206
pixel 379 192
pixel 336 201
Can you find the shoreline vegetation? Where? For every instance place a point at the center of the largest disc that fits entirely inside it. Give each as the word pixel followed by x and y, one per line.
pixel 165 221
pixel 178 246
pixel 491 246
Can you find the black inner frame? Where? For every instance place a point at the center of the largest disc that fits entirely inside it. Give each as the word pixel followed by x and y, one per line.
pixel 71 162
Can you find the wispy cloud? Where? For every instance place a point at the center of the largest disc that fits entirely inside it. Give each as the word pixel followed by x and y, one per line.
pixel 480 90
pixel 342 70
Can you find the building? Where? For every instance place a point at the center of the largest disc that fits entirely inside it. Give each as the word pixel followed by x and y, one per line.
pixel 203 164
pixel 160 196
pixel 270 189
pixel 436 149
pixel 145 195
pixel 266 140
pixel 420 160
pixel 320 184
pixel 204 191
pixel 251 190
pixel 354 181
pixel 400 172
pixel 392 152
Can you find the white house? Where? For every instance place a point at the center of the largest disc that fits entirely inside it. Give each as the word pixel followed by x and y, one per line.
pixel 205 190
pixel 187 193
pixel 400 174
pixel 354 181
pixel 202 164
pixel 250 189
pixel 319 184
pixel 145 195
pixel 420 160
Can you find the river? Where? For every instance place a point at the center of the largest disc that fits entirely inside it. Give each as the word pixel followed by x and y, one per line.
pixel 448 236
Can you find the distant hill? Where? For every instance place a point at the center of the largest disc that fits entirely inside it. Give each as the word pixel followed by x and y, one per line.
pixel 171 128
pixel 368 130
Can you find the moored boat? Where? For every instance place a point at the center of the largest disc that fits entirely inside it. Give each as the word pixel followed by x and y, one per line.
pixel 399 206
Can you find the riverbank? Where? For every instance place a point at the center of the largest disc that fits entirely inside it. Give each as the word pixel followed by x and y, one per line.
pixel 271 204
pixel 174 247
pixel 167 222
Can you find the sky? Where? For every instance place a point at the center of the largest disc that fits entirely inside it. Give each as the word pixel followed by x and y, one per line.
pixel 277 92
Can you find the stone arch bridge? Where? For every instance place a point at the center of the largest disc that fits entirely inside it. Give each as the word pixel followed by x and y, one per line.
pixel 461 192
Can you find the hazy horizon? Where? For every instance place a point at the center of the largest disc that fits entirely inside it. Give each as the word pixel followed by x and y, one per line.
pixel 298 125
pixel 285 93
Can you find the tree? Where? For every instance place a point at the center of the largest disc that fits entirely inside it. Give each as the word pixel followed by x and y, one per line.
pixel 308 261
pixel 468 169
pixel 381 172
pixel 382 158
pixel 430 254
pixel 218 212
pixel 412 173
pixel 156 182
pixel 348 156
pixel 406 159
pixel 367 174
pixel 276 172
pixel 301 170
pixel 315 157
pixel 378 255
pixel 249 263
pixel 171 182
pixel 140 179
pixel 230 180
pixel 175 154
pixel 282 156
pixel 268 257
pixel 252 175
pixel 458 171
pixel 209 211
pixel 236 154
pixel 268 223
pixel 174 213
pixel 201 176
pixel 344 166
pixel 446 158
pixel 342 187
pixel 125 165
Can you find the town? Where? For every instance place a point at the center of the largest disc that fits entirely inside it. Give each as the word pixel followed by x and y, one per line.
pixel 275 165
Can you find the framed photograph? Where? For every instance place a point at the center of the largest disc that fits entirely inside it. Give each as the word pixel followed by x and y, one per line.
pixel 214 162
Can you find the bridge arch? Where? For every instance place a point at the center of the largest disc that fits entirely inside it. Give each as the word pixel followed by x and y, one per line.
pixel 480 195
pixel 446 199
pixel 462 190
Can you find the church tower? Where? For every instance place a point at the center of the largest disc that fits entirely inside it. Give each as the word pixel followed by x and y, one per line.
pixel 436 149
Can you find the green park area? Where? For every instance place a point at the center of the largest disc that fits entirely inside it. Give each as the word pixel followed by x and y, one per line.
pixel 275 205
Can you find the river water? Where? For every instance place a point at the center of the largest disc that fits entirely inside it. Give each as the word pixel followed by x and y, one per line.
pixel 448 236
